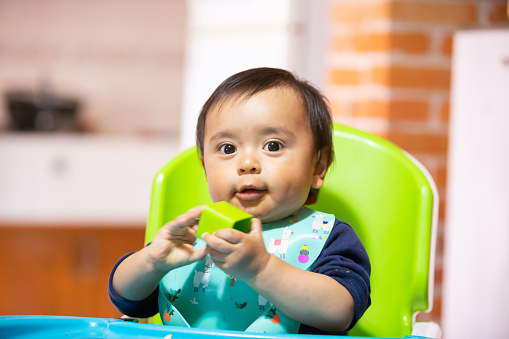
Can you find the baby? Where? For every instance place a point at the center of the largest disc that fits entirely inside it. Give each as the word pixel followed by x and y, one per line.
pixel 265 141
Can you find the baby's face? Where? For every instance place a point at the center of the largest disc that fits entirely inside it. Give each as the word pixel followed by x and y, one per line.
pixel 259 156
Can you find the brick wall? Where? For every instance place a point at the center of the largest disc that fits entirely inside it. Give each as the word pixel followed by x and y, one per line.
pixel 389 68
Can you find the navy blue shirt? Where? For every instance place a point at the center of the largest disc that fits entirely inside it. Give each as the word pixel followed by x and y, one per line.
pixel 343 258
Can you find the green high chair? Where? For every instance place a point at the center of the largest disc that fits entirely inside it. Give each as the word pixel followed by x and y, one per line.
pixel 385 194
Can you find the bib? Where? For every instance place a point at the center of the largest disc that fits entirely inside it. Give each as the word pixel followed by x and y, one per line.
pixel 201 295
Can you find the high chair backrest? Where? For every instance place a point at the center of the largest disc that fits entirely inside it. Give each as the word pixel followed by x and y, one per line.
pixel 385 194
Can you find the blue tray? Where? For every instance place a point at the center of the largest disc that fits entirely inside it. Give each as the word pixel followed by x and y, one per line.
pixel 78 327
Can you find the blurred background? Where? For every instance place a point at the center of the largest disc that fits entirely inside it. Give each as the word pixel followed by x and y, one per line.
pixel 95 96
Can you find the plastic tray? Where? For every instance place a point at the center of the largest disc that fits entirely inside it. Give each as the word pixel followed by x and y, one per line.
pixel 79 327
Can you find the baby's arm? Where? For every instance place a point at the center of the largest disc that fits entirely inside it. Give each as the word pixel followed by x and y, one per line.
pixel 310 298
pixel 139 274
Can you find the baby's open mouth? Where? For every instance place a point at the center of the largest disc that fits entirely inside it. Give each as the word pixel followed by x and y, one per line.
pixel 250 193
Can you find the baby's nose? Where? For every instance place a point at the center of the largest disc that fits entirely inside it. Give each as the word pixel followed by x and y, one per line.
pixel 249 165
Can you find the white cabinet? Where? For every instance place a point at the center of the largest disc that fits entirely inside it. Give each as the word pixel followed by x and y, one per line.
pixel 476 266
pixel 79 179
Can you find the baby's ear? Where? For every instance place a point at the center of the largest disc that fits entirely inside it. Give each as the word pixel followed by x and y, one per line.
pixel 202 163
pixel 321 167
pixel 200 154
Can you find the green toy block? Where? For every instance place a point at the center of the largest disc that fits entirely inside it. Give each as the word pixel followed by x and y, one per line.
pixel 223 215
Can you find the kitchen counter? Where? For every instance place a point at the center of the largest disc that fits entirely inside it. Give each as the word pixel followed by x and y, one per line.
pixel 65 179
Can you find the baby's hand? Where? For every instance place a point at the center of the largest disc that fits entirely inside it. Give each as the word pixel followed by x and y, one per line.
pixel 241 255
pixel 172 246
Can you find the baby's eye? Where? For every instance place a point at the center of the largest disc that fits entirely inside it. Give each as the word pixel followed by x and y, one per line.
pixel 273 146
pixel 227 149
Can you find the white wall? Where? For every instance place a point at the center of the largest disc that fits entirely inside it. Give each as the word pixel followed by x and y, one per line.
pixel 476 267
pixel 229 36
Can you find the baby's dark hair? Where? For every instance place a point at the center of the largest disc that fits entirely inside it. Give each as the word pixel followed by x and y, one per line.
pixel 248 83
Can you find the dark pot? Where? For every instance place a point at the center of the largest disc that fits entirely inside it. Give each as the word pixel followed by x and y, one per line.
pixel 41 111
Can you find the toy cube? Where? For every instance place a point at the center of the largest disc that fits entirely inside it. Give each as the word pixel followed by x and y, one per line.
pixel 223 215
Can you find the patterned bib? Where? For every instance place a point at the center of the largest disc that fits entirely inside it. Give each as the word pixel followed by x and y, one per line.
pixel 201 295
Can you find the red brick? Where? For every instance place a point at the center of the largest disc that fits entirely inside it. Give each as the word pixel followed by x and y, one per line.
pixel 358 12
pixel 420 143
pixel 441 177
pixel 434 12
pixel 499 13
pixel 412 77
pixel 392 110
pixel 414 43
pixel 439 273
pixel 348 77
pixel 442 208
pixel 447 45
pixel 445 112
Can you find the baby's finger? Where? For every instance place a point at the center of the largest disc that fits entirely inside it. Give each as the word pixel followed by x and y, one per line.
pixel 198 255
pixel 231 235
pixel 216 256
pixel 182 222
pixel 256 226
pixel 191 217
pixel 217 243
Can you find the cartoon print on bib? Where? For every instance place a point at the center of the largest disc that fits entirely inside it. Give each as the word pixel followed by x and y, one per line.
pixel 319 223
pixel 304 254
pixel 280 245
pixel 273 316
pixel 201 295
pixel 167 315
pixel 203 277
pixel 232 280
pixel 238 305
pixel 262 302
pixel 173 295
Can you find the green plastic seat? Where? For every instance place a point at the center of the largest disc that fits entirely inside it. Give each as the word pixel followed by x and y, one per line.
pixel 385 194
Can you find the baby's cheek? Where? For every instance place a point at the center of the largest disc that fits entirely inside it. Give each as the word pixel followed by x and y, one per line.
pixel 215 193
pixel 291 194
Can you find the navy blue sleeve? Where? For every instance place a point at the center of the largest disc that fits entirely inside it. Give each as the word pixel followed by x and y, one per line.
pixel 345 260
pixel 137 309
